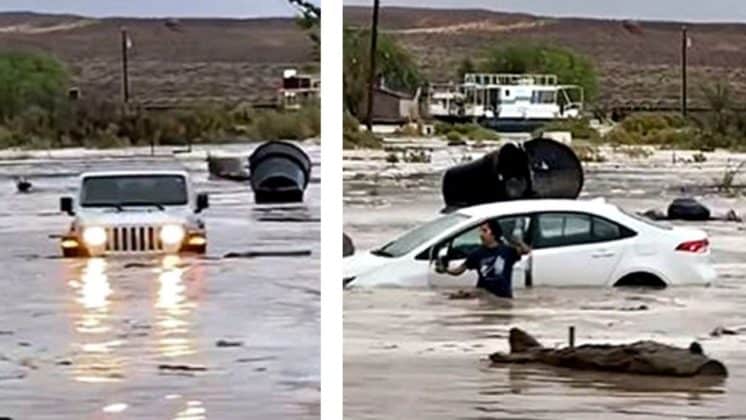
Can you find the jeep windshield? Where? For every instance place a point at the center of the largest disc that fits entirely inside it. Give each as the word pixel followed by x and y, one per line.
pixel 134 190
pixel 418 236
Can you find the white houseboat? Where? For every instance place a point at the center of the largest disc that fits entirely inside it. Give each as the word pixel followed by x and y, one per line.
pixel 506 102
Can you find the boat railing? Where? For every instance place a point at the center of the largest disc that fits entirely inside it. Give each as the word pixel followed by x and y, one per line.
pixel 484 79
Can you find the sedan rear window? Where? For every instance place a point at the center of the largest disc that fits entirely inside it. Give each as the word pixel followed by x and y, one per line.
pixel 564 229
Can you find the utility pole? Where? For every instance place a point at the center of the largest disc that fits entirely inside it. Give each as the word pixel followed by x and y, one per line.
pixel 684 48
pixel 372 75
pixel 125 76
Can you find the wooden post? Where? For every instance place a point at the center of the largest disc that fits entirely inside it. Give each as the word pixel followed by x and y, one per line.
pixel 684 48
pixel 125 76
pixel 372 75
pixel 571 334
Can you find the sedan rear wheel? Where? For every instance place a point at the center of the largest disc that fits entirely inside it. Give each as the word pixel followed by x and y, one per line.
pixel 641 279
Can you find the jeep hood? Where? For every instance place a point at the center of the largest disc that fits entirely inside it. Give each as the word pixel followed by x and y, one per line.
pixel 112 217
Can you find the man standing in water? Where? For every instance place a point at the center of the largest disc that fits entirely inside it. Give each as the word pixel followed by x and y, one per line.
pixel 493 261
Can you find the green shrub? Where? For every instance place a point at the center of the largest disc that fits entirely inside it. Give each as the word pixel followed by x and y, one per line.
pixel 409 130
pixel 579 127
pixel 441 128
pixel 644 124
pixel 569 66
pixel 95 123
pixel 453 136
pixel 674 137
pixel 354 138
pixel 471 131
pixel 30 79
pixel 393 62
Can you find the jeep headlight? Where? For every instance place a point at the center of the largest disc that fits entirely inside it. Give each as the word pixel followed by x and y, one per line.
pixel 172 234
pixel 94 236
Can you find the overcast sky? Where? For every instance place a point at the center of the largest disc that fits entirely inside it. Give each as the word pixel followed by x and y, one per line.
pixel 156 8
pixel 686 10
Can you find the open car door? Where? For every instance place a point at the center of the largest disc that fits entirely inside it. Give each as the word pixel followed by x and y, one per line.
pixel 455 250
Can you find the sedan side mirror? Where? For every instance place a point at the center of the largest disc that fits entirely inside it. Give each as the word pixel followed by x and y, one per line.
pixel 203 202
pixel 441 258
pixel 66 205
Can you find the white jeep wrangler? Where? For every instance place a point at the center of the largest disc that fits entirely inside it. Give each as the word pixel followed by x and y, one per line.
pixel 134 212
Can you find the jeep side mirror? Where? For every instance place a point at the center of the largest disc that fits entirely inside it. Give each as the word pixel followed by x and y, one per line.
pixel 203 202
pixel 66 205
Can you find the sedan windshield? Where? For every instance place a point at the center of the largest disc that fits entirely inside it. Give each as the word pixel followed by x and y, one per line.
pixel 416 237
pixel 134 190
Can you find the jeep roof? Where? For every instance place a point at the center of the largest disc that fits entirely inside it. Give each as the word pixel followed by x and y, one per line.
pixel 134 173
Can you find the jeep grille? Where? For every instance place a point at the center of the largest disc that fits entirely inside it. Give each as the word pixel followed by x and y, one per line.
pixel 133 239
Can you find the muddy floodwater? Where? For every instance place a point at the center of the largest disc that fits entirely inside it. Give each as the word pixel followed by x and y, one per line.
pixel 412 353
pixel 157 338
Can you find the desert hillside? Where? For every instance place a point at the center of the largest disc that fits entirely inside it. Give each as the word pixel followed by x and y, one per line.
pixel 638 61
pixel 169 58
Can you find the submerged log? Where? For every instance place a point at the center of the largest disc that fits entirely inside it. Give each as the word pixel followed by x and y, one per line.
pixel 642 357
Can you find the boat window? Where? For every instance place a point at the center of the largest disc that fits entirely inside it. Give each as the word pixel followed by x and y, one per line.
pixel 544 97
pixel 494 97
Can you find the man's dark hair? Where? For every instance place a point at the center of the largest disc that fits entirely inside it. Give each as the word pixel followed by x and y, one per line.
pixel 495 228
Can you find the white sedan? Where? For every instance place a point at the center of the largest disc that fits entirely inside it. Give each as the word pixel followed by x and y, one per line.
pixel 574 243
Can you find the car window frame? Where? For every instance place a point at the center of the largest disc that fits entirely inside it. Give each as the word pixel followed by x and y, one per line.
pixel 423 242
pixel 426 254
pixel 626 232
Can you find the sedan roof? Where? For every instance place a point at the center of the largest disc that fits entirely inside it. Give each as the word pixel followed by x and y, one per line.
pixel 598 205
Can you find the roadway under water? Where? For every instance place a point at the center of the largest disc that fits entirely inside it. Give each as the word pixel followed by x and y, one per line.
pixel 413 353
pixel 158 338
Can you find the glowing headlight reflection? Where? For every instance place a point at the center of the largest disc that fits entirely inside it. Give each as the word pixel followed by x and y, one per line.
pixel 172 234
pixel 173 310
pixel 95 290
pixel 94 236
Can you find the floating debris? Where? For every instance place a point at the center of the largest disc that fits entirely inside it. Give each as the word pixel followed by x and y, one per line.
pixel 539 168
pixel 23 185
pixel 719 331
pixel 280 172
pixel 226 343
pixel 641 357
pixel 234 168
pixel 464 295
pixel 288 219
pixel 258 254
pixel 182 368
